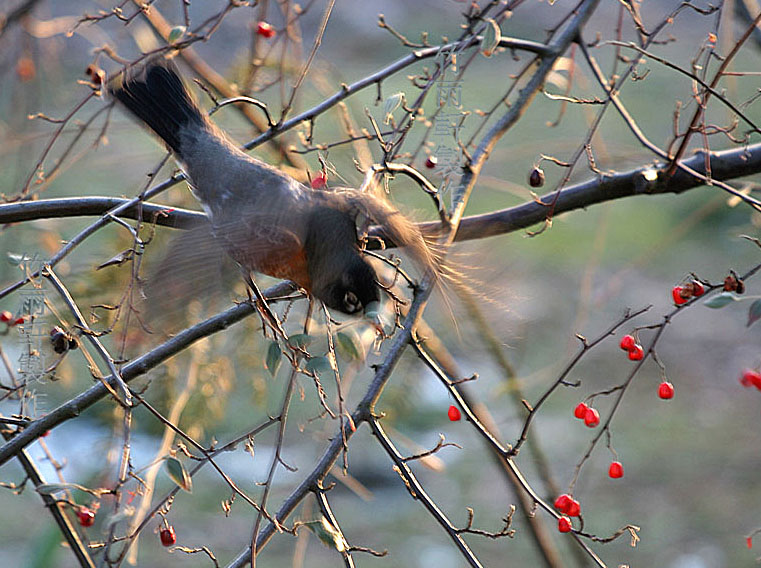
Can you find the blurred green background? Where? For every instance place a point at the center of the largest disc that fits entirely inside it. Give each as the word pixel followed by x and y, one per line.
pixel 692 464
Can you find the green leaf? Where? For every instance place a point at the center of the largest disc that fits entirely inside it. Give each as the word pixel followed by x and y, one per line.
pixel 721 300
pixel 754 312
pixel 491 38
pixel 318 365
pixel 176 33
pixel 329 535
pixel 179 474
pixel 15 259
pixel 300 341
pixel 392 103
pixel 349 345
pixel 274 358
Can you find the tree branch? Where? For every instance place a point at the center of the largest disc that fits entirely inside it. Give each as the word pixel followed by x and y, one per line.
pixel 75 406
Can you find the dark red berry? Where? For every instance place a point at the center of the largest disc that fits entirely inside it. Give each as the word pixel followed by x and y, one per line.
pixel 616 470
pixel 666 390
pixel 564 524
pixel 636 353
pixel 265 30
pixel 627 342
pixel 59 339
pixel 86 517
pixel 580 411
pixel 431 162
pixel 592 417
pixel 454 413
pixel 697 288
pixel 6 316
pixel 168 538
pixel 536 177
pixel 733 284
pixel 18 321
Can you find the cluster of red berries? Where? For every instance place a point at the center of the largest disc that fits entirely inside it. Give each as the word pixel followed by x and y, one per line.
pixel 751 378
pixel 570 508
pixel 265 30
pixel 454 413
pixel 684 292
pixel 589 415
pixel 635 350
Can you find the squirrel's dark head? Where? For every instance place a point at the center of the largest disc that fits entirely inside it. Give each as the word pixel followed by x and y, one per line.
pixel 352 290
pixel 341 277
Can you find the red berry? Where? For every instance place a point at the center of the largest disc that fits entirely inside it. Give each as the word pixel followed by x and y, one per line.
pixel 666 390
pixel 574 509
pixel 168 538
pixel 697 288
pixel 751 378
pixel 676 293
pixel 454 413
pixel 563 502
pixel 636 353
pixel 18 321
pixel 6 316
pixel 319 181
pixel 431 162
pixel 25 69
pixel 592 417
pixel 564 524
pixel 616 470
pixel 580 411
pixel 627 342
pixel 749 541
pixel 265 30
pixel 86 517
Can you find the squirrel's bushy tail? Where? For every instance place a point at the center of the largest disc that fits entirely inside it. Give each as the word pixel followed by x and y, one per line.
pixel 156 95
pixel 399 229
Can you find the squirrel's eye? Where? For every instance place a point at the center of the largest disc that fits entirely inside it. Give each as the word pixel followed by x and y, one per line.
pixel 351 302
